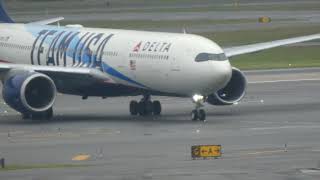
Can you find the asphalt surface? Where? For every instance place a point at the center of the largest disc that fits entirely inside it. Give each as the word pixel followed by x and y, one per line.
pixel 281 109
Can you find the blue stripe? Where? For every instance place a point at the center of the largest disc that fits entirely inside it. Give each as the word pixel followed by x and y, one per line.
pixel 115 73
pixel 4 17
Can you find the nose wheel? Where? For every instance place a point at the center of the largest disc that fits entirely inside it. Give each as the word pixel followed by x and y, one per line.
pixel 145 107
pixel 198 113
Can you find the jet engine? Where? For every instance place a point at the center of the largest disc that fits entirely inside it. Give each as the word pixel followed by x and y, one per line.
pixel 29 92
pixel 233 92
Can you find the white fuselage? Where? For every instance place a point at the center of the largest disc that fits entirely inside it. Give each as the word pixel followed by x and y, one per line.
pixel 164 62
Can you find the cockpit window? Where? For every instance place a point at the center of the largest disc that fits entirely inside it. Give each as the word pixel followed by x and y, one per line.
pixel 211 57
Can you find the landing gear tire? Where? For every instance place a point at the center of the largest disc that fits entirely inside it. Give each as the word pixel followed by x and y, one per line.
pixel 148 108
pixel 141 109
pixel 145 107
pixel 202 115
pixel 194 115
pixel 134 109
pixel 198 115
pixel 156 108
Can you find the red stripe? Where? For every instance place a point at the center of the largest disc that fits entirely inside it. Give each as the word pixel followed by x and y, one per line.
pixel 3 61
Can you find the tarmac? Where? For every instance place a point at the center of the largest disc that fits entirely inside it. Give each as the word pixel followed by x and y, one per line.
pixel 272 134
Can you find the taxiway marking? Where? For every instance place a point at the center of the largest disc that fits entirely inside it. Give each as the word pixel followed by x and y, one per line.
pixel 266 152
pixel 276 81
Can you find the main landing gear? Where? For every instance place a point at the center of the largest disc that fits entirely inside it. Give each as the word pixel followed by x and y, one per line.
pixel 145 107
pixel 198 113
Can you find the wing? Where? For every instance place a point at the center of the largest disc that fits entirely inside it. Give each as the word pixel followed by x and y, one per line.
pixel 4 17
pixel 47 21
pixel 65 77
pixel 234 51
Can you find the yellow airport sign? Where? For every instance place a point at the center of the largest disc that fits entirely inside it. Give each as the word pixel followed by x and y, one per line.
pixel 264 19
pixel 206 151
pixel 81 157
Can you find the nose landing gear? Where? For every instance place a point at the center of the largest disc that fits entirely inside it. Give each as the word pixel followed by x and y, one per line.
pixel 198 113
pixel 145 107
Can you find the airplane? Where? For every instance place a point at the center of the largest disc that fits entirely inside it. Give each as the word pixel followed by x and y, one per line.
pixel 39 60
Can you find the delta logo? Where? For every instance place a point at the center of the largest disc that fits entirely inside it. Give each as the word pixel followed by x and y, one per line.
pixel 137 47
pixel 152 47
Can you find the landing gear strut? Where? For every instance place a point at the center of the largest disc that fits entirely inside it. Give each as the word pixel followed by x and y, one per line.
pixel 198 113
pixel 145 107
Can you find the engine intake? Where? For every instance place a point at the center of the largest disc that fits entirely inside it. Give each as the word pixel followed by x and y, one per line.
pixel 233 92
pixel 29 92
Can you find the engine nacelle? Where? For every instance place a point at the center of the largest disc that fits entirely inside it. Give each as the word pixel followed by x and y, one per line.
pixel 29 92
pixel 234 91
